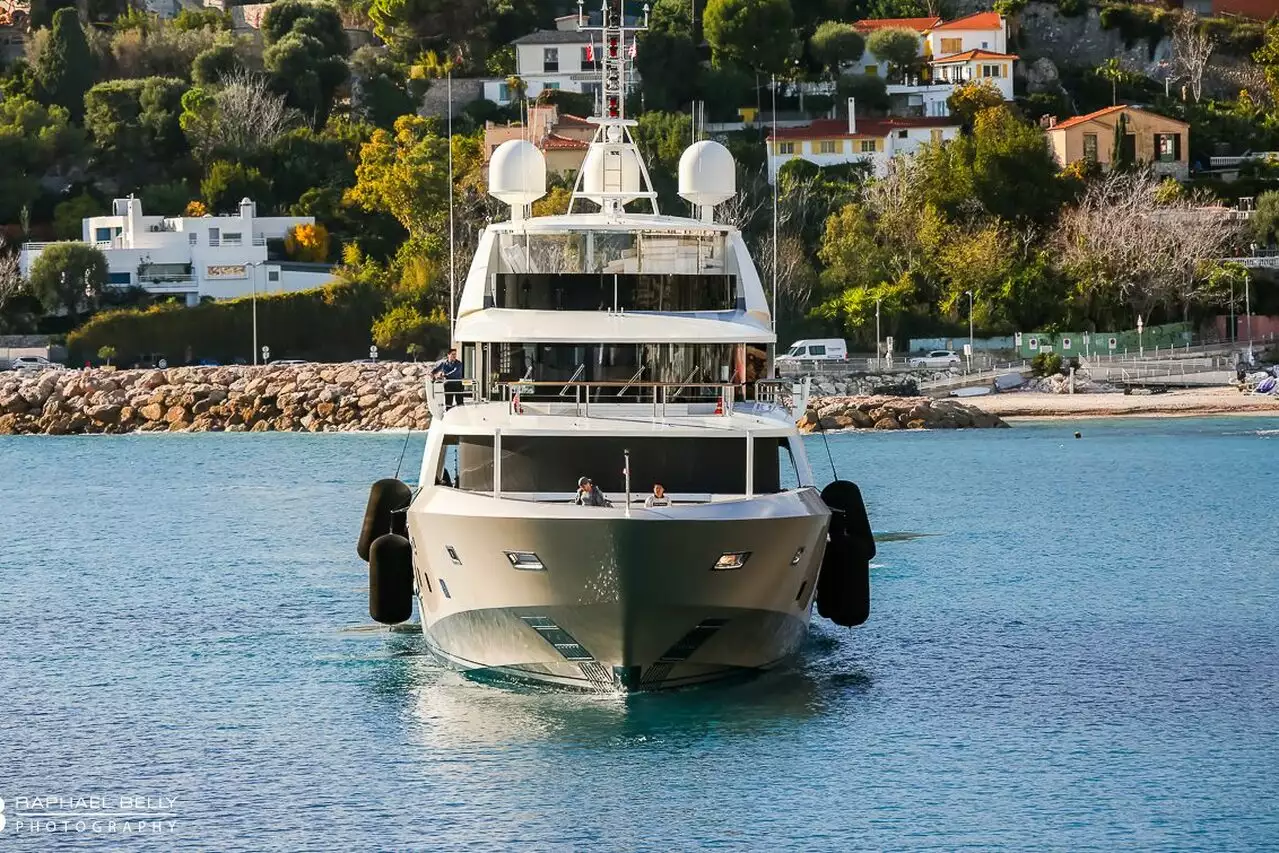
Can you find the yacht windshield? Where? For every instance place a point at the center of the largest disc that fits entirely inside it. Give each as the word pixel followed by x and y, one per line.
pixel 684 465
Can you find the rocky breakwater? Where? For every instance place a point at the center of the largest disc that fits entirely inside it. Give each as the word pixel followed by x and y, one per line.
pixel 295 398
pixel 883 413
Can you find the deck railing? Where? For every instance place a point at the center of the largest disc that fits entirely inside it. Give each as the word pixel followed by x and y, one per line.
pixel 660 399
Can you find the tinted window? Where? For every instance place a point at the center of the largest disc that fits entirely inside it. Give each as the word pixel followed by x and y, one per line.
pixel 602 291
pixel 817 350
pixel 688 465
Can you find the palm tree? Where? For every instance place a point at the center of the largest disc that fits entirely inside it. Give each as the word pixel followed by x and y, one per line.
pixel 1114 72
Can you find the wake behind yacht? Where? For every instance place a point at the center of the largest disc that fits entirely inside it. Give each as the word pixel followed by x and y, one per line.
pixel 630 348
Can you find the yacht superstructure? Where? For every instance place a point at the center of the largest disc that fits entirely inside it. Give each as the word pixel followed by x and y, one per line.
pixel 630 348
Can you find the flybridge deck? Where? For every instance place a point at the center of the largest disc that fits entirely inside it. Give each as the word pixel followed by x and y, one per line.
pixel 623 407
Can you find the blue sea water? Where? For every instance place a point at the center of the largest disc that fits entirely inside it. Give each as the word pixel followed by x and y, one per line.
pixel 1081 654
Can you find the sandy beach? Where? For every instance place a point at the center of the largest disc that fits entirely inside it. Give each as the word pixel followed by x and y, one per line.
pixel 1179 403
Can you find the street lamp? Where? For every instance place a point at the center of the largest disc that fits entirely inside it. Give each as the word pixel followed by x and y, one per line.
pixel 970 328
pixel 879 353
pixel 253 279
pixel 1247 308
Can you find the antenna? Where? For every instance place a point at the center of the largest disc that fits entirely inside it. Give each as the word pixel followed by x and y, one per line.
pixel 613 172
pixel 452 265
pixel 773 313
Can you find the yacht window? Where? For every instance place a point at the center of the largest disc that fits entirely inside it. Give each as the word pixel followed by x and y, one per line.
pixel 696 253
pixel 474 463
pixel 683 465
pixel 621 291
pixel 675 364
pixel 788 471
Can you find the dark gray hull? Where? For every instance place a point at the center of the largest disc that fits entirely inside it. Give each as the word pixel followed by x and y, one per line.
pixel 623 603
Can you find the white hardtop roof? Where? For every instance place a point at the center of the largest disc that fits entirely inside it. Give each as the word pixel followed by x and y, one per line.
pixel 601 222
pixel 516 325
pixel 620 419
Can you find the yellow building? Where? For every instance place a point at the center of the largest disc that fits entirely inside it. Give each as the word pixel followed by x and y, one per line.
pixel 1162 143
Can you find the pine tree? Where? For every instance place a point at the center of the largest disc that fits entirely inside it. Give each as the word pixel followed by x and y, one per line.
pixel 64 68
pixel 42 12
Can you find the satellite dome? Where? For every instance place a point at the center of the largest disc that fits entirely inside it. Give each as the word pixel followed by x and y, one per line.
pixel 611 170
pixel 517 173
pixel 707 173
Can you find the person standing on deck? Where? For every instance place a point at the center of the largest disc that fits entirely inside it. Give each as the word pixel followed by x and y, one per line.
pixel 450 370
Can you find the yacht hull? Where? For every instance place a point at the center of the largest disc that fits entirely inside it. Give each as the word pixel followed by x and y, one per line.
pixel 627 603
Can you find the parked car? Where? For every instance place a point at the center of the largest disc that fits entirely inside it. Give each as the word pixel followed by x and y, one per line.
pixel 817 349
pixel 936 358
pixel 34 364
pixel 151 361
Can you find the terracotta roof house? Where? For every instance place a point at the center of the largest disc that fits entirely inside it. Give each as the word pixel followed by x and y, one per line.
pixel 1161 142
pixel 563 139
pixel 951 53
pixel 830 142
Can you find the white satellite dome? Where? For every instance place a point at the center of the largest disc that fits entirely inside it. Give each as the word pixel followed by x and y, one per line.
pixel 615 170
pixel 517 173
pixel 707 173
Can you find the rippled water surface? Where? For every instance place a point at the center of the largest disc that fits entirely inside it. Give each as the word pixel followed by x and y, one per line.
pixel 1082 655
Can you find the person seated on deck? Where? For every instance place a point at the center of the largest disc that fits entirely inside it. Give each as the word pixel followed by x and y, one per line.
pixel 450 370
pixel 658 498
pixel 588 495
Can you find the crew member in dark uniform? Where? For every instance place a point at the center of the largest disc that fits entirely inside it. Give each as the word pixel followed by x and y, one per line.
pixel 450 370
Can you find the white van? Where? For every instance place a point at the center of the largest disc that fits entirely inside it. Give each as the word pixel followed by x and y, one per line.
pixel 817 349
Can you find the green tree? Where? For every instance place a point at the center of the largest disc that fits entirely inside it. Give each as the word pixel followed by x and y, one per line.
pixel 1014 174
pixel 869 93
pixel 379 88
pixel 226 184
pixel 166 199
pixel 106 353
pixel 1265 220
pixel 1113 71
pixel 34 141
pixel 213 64
pixel 1121 154
pixel 404 325
pixel 405 175
pixel 69 276
pixel 64 68
pixel 897 46
pixel 662 138
pixel 413 27
pixel 753 34
pixel 833 43
pixel 69 216
pixel 42 12
pixel 667 57
pixel 306 54
pixel 135 123
pixel 303 159
pixel 972 97
pixel 1266 56
pixel 201 19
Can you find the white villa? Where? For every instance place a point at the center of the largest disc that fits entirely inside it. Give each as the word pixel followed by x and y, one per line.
pixel 221 257
pixel 973 47
pixel 562 58
pixel 832 142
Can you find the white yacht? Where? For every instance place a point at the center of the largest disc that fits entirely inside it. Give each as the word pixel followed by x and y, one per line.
pixel 630 348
